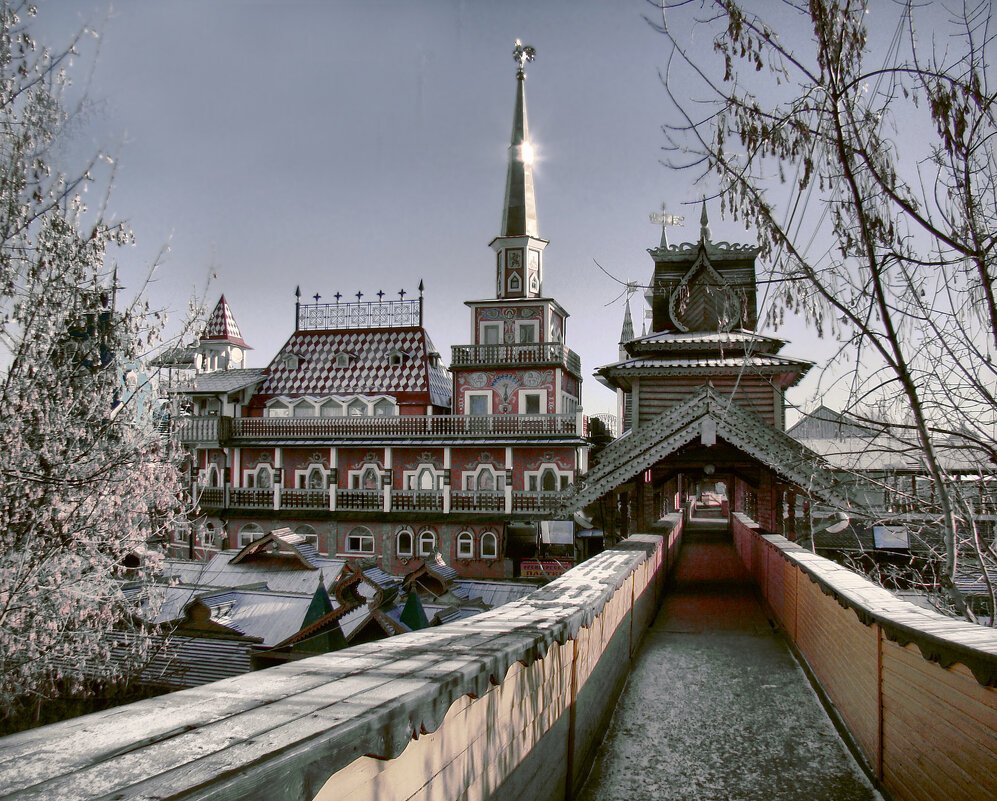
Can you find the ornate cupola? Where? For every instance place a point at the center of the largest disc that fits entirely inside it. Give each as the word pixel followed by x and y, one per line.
pixel 519 249
pixel 221 346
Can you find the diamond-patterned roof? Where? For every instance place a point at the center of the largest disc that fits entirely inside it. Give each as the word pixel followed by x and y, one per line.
pixel 222 327
pixel 369 372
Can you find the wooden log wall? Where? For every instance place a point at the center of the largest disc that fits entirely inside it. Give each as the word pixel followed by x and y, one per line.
pixel 752 392
pixel 509 704
pixel 915 689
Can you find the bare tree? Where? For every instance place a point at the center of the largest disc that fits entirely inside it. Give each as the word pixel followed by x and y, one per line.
pixel 86 482
pixel 868 172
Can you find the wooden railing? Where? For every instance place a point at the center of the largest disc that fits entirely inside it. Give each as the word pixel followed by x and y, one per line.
pixel 416 501
pixel 244 430
pixel 508 704
pixel 916 690
pixel 476 501
pixel 540 353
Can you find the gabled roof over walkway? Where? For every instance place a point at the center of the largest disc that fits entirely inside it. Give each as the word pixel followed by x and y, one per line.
pixel 707 416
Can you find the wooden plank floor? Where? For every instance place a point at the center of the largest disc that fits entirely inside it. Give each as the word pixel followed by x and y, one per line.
pixel 716 707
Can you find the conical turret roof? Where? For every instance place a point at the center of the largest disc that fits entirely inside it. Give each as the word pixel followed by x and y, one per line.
pixel 222 327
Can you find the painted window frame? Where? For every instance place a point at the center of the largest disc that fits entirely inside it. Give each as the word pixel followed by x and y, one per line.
pixel 490 325
pixel 477 393
pixel 465 540
pixel 255 529
pixel 356 476
pixel 533 479
pixel 402 552
pixel 472 478
pixel 426 536
pixel 528 325
pixel 489 536
pixel 251 478
pixel 411 478
pixel 540 394
pixel 356 535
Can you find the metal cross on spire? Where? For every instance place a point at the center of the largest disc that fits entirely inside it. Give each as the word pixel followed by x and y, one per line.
pixel 664 220
pixel 523 53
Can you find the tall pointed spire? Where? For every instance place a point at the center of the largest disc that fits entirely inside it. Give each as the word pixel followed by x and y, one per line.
pixel 704 224
pixel 628 324
pixel 519 215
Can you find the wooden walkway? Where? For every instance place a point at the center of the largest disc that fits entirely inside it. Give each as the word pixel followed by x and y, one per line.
pixel 716 707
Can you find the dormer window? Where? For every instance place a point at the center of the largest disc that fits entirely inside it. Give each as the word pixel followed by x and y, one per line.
pixel 396 358
pixel 292 362
pixel 345 359
pixel 434 359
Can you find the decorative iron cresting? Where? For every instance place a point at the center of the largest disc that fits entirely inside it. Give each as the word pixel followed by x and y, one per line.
pixel 380 313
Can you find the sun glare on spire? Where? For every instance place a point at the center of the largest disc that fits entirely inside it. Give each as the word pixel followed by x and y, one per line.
pixel 526 153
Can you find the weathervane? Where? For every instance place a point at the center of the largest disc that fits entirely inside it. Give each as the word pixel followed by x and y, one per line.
pixel 523 53
pixel 664 220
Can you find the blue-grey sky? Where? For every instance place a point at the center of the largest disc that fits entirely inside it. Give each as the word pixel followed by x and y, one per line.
pixel 345 146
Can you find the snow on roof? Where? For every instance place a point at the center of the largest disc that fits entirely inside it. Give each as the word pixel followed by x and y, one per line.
pixel 226 380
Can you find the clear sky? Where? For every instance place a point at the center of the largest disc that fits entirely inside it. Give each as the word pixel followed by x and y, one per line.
pixel 357 146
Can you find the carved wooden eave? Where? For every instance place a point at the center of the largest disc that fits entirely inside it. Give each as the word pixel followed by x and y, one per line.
pixel 707 416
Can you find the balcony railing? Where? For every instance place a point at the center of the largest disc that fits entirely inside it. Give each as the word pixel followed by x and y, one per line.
pixel 476 501
pixel 539 353
pixel 201 430
pixel 416 501
pixel 372 500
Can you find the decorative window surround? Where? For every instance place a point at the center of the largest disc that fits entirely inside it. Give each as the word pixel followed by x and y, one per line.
pixel 548 474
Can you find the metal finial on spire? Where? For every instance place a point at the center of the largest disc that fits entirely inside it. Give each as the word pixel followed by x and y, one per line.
pixel 664 220
pixel 521 54
pixel 704 224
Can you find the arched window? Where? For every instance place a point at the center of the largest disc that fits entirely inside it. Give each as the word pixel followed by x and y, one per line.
pixel 465 545
pixel 248 533
pixel 403 543
pixel 489 546
pixel 427 542
pixel 366 477
pixel 309 533
pixel 212 476
pixel 548 480
pixel 360 540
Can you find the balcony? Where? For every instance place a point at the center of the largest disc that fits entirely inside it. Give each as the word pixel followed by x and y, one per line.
pixel 541 354
pixel 201 431
pixel 334 499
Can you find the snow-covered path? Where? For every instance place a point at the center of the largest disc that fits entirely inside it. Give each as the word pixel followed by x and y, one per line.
pixel 716 707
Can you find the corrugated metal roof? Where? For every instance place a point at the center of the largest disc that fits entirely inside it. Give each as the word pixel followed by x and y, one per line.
pixel 494 593
pixel 677 339
pixel 279 577
pixel 732 362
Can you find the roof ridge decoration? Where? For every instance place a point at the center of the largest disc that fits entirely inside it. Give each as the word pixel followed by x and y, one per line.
pixel 677 426
pixel 678 302
pixel 222 327
pixel 281 541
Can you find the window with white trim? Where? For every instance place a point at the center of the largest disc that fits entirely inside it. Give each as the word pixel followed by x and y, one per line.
pixel 345 359
pixel 484 478
pixel 404 543
pixel 277 408
pixel 515 282
pixel 532 401
pixel 331 408
pixel 478 403
pixel 360 540
pixel 311 477
pixel 491 334
pixel 304 408
pixel 489 546
pixel 384 408
pixel 248 533
pixel 527 332
pixel 367 476
pixel 211 476
pixel 260 477
pixel 427 543
pixel 357 408
pixel 465 545
pixel 424 477
pixel 547 478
